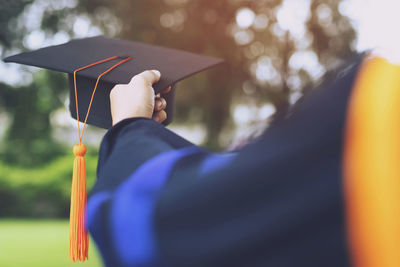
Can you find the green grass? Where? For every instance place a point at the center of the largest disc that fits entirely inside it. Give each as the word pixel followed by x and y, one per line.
pixel 41 243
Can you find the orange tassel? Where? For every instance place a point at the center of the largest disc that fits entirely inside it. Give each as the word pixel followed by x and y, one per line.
pixel 78 236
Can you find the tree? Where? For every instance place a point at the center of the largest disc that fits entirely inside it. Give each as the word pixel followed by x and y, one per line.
pixel 210 27
pixel 263 55
pixel 10 10
pixel 27 141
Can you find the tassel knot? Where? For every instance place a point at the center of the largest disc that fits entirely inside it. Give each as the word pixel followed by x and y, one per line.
pixel 79 150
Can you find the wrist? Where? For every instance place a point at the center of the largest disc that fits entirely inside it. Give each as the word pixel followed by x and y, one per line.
pixel 128 115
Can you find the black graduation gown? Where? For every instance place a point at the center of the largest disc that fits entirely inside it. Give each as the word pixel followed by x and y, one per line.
pixel 161 201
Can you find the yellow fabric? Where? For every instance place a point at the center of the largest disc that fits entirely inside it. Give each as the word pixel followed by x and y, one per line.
pixel 372 165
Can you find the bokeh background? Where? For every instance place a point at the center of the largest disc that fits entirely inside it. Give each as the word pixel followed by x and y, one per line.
pixel 275 51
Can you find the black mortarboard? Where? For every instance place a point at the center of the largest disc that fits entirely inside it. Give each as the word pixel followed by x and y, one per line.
pixel 174 66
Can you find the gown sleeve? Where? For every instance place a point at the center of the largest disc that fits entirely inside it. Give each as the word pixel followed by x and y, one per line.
pixel 136 158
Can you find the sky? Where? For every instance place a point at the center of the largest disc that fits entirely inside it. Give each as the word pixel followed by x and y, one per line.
pixel 376 21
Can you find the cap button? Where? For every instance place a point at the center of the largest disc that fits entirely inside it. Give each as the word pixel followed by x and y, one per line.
pixel 79 150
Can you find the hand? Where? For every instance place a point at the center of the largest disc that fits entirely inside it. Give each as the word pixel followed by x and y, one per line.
pixel 137 99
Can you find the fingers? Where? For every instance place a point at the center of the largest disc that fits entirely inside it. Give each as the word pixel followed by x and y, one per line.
pixel 166 90
pixel 160 116
pixel 159 104
pixel 148 76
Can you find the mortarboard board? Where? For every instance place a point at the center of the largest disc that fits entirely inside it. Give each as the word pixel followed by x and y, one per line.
pixel 174 66
pixel 115 61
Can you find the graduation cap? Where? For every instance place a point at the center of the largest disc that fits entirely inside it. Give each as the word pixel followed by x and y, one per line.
pixel 174 66
pixel 94 66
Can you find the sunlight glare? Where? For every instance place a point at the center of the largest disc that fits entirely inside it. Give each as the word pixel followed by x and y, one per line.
pixel 245 18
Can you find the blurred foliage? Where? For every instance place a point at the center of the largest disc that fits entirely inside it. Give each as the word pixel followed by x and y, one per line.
pixel 209 27
pixel 42 191
pixel 9 12
pixel 28 140
pixel 201 26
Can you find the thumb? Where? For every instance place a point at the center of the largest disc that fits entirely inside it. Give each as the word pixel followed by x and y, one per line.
pixel 149 76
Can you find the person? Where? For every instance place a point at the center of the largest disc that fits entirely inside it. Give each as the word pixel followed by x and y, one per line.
pixel 160 200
